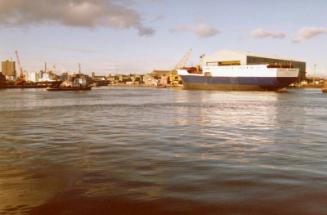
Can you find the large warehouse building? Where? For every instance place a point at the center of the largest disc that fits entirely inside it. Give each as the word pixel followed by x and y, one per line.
pixel 247 58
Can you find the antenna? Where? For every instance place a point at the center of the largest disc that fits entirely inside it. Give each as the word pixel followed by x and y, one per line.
pixel 202 59
pixel 314 73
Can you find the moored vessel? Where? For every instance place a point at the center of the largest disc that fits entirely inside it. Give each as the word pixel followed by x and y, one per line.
pixel 77 82
pixel 239 77
pixel 3 81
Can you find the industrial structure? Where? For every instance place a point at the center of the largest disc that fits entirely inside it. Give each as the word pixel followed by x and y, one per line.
pixel 21 79
pixel 168 77
pixel 233 58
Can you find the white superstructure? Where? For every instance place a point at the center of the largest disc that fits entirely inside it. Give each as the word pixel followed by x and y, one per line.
pixel 244 71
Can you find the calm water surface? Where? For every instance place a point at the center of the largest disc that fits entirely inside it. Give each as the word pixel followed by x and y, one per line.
pixel 163 151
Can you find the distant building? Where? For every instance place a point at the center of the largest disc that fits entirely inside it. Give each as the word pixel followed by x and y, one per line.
pixel 161 73
pixel 225 58
pixel 31 77
pixel 98 77
pixel 64 76
pixel 150 81
pixel 167 77
pixel 9 69
pixel 44 76
pixel 112 79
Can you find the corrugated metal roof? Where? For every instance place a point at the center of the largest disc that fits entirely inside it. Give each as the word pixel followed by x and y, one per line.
pixel 247 53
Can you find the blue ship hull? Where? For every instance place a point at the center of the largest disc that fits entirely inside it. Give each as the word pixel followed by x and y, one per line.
pixel 236 83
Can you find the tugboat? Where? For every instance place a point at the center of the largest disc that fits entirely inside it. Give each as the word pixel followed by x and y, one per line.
pixel 77 82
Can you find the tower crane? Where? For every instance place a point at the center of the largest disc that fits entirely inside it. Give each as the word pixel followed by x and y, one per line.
pixel 21 78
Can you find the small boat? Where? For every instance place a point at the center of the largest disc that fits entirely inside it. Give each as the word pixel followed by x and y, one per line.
pixel 76 82
pixel 61 88
pixel 324 90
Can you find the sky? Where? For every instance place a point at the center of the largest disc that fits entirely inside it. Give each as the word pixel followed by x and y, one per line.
pixel 137 36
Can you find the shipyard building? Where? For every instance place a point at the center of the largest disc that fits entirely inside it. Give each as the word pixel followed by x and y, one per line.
pixel 226 58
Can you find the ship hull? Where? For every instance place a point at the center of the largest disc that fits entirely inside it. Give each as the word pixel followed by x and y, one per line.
pixel 3 85
pixel 236 83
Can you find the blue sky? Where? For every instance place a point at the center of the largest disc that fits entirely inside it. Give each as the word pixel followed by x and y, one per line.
pixel 116 36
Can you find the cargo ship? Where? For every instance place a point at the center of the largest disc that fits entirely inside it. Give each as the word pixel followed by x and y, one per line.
pixel 239 77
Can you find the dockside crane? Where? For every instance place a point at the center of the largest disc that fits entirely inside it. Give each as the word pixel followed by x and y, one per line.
pixel 182 63
pixel 21 78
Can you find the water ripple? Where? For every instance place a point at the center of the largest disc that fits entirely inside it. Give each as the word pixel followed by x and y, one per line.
pixel 146 151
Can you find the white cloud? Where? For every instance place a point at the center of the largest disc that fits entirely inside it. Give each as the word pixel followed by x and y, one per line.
pixel 76 13
pixel 201 30
pixel 261 33
pixel 307 33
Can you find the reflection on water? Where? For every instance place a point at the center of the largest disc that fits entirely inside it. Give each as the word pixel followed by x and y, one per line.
pixel 147 151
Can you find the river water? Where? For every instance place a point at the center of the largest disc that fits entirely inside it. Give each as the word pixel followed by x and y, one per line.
pixel 163 151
